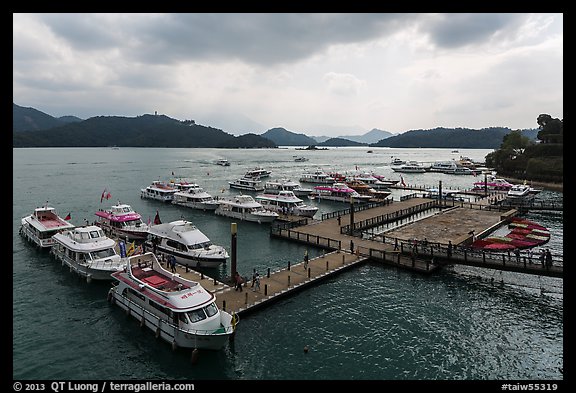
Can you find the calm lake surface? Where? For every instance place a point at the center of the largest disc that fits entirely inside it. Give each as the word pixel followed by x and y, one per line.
pixel 369 323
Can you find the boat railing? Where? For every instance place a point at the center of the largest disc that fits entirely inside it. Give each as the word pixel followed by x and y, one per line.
pixel 106 264
pixel 169 327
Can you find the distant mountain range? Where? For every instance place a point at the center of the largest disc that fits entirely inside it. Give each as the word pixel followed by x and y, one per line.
pixel 372 136
pixel 33 128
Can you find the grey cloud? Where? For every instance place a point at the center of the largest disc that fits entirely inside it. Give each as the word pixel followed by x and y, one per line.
pixel 457 30
pixel 251 38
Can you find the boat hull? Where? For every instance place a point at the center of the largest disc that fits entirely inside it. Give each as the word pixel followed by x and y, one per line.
pixel 172 334
pixel 101 271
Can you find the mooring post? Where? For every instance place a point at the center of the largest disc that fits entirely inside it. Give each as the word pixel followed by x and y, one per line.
pixel 233 269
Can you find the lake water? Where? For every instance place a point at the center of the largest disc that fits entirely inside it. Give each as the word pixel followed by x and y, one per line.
pixel 370 323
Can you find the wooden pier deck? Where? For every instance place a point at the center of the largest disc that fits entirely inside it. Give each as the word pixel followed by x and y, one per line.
pixel 457 225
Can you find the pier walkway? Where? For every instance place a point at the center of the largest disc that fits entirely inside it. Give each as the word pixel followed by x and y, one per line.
pixel 446 235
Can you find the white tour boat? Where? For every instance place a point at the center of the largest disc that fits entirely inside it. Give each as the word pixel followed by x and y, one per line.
pixel 519 193
pixel 178 310
pixel 159 190
pixel 374 181
pixel 39 227
pixel 186 243
pixel 317 177
pixel 244 207
pixel 257 173
pixel 195 197
pixel 123 222
pixel 286 202
pixel 223 162
pixel 275 186
pixel 409 167
pixel 247 184
pixel 88 252
pixel 339 192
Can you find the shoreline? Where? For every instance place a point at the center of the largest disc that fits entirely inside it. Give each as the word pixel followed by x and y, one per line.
pixel 559 187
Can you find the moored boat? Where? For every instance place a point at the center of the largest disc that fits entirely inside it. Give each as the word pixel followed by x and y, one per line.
pixel 195 197
pixel 286 202
pixel 317 177
pixel 122 221
pixel 88 252
pixel 178 310
pixel 257 173
pixel 247 184
pixel 183 240
pixel 159 190
pixel 409 167
pixel 39 227
pixel 275 186
pixel 244 207
pixel 338 192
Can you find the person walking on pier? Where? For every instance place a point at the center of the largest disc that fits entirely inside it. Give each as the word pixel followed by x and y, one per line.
pixel 306 260
pixel 351 246
pixel 542 256
pixel 449 252
pixel 238 279
pixel 548 258
pixel 256 282
pixel 517 253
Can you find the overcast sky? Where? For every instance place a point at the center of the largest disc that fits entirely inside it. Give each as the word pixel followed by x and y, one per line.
pixel 318 74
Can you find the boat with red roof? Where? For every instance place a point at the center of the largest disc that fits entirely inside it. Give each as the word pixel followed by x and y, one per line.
pixel 178 310
pixel 42 224
pixel 339 192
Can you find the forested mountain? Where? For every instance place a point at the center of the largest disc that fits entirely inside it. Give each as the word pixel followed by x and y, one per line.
pixel 30 119
pixel 141 131
pixel 466 138
pixel 340 142
pixel 282 137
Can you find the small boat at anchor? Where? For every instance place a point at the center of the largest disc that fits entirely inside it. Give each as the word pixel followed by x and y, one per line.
pixel 178 310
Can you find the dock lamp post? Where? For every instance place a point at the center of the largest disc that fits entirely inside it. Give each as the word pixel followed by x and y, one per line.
pixel 351 216
pixel 440 199
pixel 233 231
pixel 485 184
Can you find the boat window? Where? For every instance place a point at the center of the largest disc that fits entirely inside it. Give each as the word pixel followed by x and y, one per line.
pixel 102 253
pixel 196 315
pixel 94 234
pixel 211 309
pixel 182 317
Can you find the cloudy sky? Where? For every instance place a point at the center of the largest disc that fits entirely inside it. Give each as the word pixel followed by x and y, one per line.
pixel 319 74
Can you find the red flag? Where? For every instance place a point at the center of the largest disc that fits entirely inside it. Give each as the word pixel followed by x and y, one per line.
pixel 157 219
pixel 149 221
pixel 108 195
pixel 68 217
pixel 402 181
pixel 103 195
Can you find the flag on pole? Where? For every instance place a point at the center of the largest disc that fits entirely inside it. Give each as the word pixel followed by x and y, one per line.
pixel 157 219
pixel 68 217
pixel 131 249
pixel 122 246
pixel 402 181
pixel 105 195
